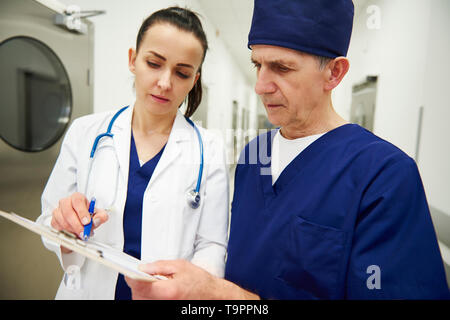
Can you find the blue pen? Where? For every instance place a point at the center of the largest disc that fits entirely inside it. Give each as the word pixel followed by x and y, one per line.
pixel 87 228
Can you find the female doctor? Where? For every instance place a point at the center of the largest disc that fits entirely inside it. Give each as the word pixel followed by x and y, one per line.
pixel 153 200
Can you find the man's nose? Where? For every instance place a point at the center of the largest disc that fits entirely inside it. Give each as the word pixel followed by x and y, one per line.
pixel 264 83
pixel 165 81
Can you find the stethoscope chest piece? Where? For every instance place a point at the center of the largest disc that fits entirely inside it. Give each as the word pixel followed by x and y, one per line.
pixel 193 199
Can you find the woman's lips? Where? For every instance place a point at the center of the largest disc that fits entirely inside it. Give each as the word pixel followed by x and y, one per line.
pixel 159 99
pixel 274 105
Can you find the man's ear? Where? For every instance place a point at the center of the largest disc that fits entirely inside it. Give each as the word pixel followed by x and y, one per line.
pixel 335 71
pixel 132 60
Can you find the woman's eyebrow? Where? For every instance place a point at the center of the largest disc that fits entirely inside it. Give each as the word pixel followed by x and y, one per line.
pixel 185 65
pixel 157 55
pixel 164 59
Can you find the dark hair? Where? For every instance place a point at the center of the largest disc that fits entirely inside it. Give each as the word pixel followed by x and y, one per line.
pixel 185 20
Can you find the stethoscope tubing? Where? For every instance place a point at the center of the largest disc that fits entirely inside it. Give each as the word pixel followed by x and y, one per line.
pixel 107 133
pixel 200 143
pixel 195 201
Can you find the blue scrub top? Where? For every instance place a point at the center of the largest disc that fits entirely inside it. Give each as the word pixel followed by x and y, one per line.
pixel 346 219
pixel 138 179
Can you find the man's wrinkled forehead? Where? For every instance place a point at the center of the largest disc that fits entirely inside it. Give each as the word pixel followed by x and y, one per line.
pixel 268 53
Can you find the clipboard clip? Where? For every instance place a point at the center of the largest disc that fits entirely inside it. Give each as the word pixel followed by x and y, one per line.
pixel 70 237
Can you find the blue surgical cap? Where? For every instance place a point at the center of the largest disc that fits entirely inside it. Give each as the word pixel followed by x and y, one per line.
pixel 319 27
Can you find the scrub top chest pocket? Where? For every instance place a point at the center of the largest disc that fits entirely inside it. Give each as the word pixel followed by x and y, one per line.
pixel 312 258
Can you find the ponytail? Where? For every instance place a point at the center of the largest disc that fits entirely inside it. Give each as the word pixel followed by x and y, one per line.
pixel 194 97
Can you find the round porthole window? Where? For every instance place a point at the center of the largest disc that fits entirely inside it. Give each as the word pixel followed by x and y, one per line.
pixel 35 95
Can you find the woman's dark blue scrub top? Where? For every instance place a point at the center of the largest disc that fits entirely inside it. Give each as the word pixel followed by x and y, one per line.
pixel 138 179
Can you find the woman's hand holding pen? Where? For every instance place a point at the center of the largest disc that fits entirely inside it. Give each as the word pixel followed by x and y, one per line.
pixel 72 214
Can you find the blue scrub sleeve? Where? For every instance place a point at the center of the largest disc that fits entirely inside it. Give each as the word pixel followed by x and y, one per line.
pixel 395 254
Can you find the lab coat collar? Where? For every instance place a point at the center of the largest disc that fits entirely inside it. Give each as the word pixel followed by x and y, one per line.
pixel 181 131
pixel 122 139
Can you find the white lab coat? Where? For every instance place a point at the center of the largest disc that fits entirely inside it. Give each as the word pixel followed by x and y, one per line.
pixel 170 228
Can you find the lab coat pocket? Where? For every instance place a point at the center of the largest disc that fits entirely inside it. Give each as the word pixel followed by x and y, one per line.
pixel 312 258
pixel 184 230
pixel 71 287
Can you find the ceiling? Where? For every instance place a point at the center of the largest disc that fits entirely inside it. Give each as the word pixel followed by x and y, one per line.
pixel 232 20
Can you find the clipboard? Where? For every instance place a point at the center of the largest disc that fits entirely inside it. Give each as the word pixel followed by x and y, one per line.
pixel 102 253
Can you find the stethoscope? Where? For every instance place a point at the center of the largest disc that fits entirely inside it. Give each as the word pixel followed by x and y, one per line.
pixel 193 196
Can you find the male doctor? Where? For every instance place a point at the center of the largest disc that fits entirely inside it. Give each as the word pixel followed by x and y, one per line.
pixel 333 211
